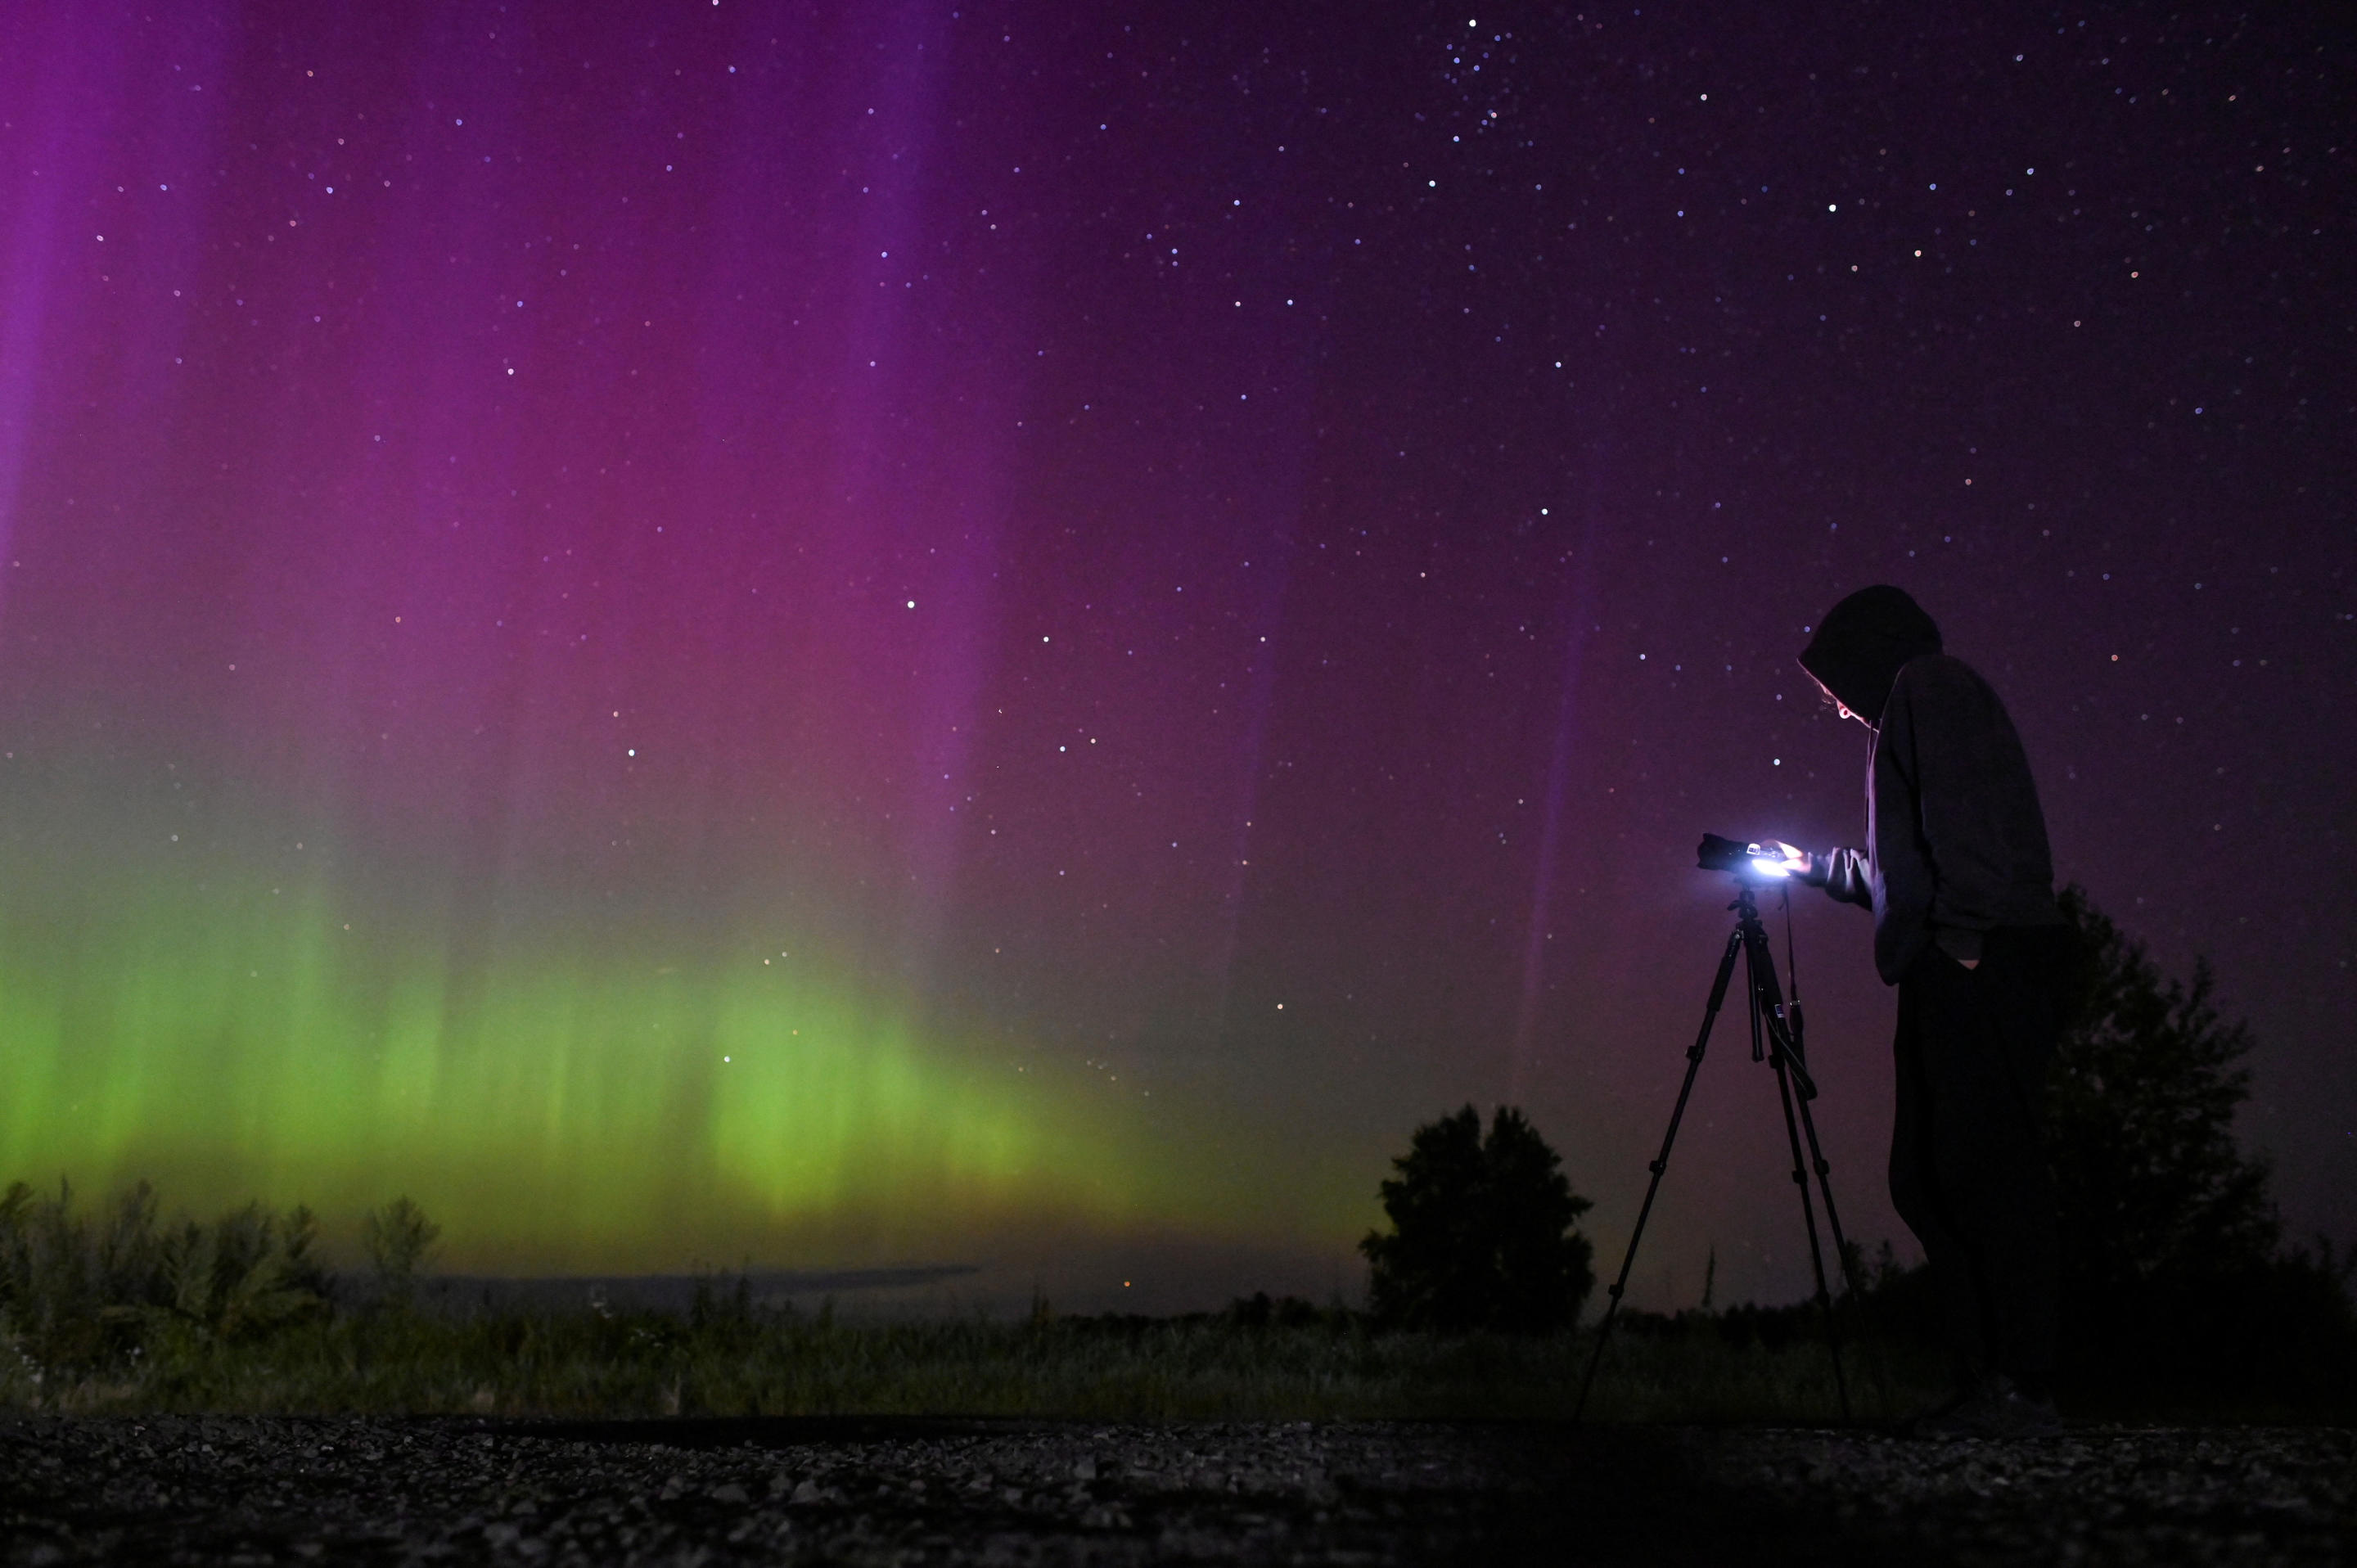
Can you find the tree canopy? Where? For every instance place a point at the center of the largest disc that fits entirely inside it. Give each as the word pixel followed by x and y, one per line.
pixel 2150 1182
pixel 1482 1232
pixel 2174 1273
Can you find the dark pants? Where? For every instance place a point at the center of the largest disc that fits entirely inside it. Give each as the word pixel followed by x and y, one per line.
pixel 1968 1169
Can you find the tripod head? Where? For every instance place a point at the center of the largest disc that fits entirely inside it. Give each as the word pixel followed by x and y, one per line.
pixel 1775 1016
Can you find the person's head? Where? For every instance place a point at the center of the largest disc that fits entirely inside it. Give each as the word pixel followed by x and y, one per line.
pixel 1860 645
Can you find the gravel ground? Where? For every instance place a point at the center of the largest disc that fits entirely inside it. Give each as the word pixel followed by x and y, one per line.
pixel 225 1490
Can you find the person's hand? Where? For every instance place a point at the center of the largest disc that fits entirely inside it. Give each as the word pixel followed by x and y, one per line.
pixel 1797 862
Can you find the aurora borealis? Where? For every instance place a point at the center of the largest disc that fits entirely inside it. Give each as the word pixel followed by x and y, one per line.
pixel 836 634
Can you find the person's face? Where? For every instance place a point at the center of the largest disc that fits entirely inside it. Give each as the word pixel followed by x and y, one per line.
pixel 1839 706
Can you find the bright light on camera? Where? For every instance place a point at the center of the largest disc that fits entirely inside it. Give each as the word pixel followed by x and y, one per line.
pixel 1759 861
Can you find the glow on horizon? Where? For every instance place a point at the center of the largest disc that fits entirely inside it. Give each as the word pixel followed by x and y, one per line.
pixel 553 1110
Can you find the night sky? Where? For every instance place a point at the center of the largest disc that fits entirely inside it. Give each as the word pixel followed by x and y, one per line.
pixel 1019 634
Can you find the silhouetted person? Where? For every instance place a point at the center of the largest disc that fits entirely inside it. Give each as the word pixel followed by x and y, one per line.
pixel 1957 873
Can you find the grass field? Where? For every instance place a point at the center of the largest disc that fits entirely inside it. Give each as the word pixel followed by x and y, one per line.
pixel 118 1311
pixel 114 1308
pixel 726 1360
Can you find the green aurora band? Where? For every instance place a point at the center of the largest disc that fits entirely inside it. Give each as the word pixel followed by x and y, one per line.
pixel 216 1017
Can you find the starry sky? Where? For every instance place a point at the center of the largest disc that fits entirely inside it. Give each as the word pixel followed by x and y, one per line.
pixel 1020 633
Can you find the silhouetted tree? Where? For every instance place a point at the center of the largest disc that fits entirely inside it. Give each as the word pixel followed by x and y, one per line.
pixel 1482 1232
pixel 2150 1182
pixel 399 1240
pixel 2173 1271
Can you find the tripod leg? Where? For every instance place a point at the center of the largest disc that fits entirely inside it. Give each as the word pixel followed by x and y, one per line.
pixel 1816 1253
pixel 1660 1163
pixel 1823 1168
pixel 1795 1087
pixel 1876 1355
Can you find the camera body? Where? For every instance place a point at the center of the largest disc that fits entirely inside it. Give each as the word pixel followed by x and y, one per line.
pixel 1752 862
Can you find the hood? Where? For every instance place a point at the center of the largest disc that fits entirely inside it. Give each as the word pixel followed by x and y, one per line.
pixel 1861 643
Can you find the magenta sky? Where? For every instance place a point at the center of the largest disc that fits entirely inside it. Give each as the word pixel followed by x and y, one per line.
pixel 1221 551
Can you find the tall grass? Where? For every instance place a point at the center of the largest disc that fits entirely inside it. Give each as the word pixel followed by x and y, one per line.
pixel 124 1313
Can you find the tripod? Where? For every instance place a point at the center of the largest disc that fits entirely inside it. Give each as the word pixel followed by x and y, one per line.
pixel 1775 1039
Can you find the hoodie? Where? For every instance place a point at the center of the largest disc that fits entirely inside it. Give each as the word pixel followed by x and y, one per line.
pixel 1861 644
pixel 1956 840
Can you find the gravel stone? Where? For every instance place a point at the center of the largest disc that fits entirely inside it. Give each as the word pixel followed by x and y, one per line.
pixel 216 1490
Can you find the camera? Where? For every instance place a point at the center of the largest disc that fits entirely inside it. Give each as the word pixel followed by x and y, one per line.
pixel 1759 862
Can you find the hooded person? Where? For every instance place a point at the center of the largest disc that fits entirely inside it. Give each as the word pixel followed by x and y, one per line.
pixel 1957 873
